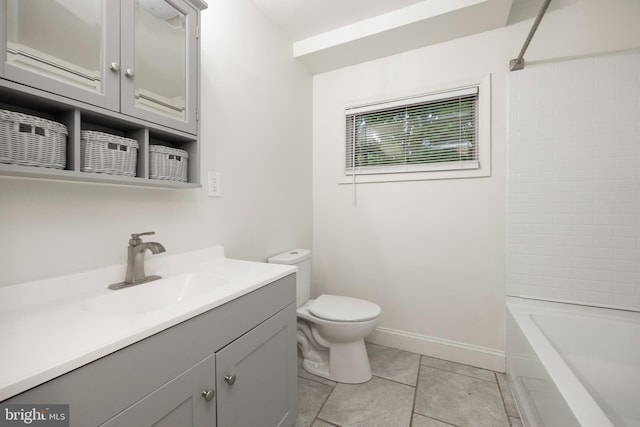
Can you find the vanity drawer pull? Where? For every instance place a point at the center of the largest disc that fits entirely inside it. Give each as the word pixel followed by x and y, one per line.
pixel 230 379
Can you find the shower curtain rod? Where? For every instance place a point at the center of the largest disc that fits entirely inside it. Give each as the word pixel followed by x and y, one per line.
pixel 518 63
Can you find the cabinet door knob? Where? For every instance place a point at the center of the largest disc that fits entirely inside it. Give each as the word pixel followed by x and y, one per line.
pixel 230 379
pixel 208 394
pixel 129 72
pixel 114 66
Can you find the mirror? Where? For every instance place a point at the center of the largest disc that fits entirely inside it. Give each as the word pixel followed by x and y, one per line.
pixel 160 58
pixel 61 39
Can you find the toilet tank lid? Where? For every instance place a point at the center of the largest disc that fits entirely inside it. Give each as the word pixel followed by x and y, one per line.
pixel 293 256
pixel 344 309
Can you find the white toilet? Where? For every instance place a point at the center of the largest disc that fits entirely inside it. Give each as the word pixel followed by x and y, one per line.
pixel 331 328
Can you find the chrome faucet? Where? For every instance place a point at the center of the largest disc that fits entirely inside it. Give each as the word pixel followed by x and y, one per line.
pixel 135 261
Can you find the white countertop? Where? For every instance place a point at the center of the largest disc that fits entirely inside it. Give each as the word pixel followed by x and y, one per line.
pixel 46 333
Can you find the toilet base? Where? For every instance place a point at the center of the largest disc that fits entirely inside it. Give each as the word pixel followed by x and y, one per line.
pixel 348 363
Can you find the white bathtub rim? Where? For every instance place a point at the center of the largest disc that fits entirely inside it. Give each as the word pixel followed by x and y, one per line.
pixel 585 409
pixel 576 303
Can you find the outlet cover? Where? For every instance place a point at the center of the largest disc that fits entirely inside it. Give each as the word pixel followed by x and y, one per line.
pixel 213 184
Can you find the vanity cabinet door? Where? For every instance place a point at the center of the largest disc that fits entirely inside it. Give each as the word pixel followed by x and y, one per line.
pixel 137 57
pixel 160 62
pixel 257 379
pixel 69 48
pixel 182 402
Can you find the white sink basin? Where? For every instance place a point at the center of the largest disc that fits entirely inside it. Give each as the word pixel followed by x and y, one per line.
pixel 154 295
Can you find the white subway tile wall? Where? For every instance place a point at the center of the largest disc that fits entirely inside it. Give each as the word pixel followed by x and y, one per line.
pixel 574 181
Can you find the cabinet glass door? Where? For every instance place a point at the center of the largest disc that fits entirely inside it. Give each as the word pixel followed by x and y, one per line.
pixel 159 61
pixel 64 46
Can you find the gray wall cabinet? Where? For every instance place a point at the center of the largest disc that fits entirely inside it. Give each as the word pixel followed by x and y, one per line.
pixel 243 353
pixel 130 68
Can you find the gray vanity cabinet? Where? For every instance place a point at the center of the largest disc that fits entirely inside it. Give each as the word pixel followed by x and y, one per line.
pixel 254 385
pixel 233 366
pixel 137 57
pixel 180 402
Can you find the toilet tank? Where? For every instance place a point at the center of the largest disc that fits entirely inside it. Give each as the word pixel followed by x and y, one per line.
pixel 301 258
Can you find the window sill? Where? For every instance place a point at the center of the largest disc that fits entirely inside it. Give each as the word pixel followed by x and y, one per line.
pixel 416 176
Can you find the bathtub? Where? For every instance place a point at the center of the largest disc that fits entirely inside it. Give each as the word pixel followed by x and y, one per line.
pixel 571 365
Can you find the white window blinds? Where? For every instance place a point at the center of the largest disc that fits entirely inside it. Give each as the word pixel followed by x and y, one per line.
pixel 432 132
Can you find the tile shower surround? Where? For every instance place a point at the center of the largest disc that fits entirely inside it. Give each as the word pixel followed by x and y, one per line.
pixel 408 389
pixel 574 181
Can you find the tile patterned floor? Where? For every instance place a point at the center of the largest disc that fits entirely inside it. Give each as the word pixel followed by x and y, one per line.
pixel 409 390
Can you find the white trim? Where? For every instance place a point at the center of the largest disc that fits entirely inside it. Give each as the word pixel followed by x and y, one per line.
pixel 454 351
pixel 414 176
pixel 424 167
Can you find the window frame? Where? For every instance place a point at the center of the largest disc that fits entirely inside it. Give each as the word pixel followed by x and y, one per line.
pixel 426 171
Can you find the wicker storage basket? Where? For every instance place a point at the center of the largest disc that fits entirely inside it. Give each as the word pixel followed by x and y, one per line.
pixel 168 163
pixel 106 153
pixel 32 141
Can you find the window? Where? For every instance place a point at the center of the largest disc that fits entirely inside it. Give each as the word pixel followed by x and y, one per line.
pixel 428 133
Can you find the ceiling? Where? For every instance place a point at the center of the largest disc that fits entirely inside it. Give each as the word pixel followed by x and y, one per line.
pixel 301 19
pixel 330 34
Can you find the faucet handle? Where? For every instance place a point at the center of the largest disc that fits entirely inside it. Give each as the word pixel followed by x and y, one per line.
pixel 146 233
pixel 135 237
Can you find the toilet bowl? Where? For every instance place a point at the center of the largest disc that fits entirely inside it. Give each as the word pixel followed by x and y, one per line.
pixel 332 341
pixel 331 328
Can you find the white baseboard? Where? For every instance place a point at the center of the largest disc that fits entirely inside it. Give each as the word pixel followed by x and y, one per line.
pixel 454 351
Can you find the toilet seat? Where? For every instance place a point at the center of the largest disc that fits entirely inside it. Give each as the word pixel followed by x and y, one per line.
pixel 344 309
